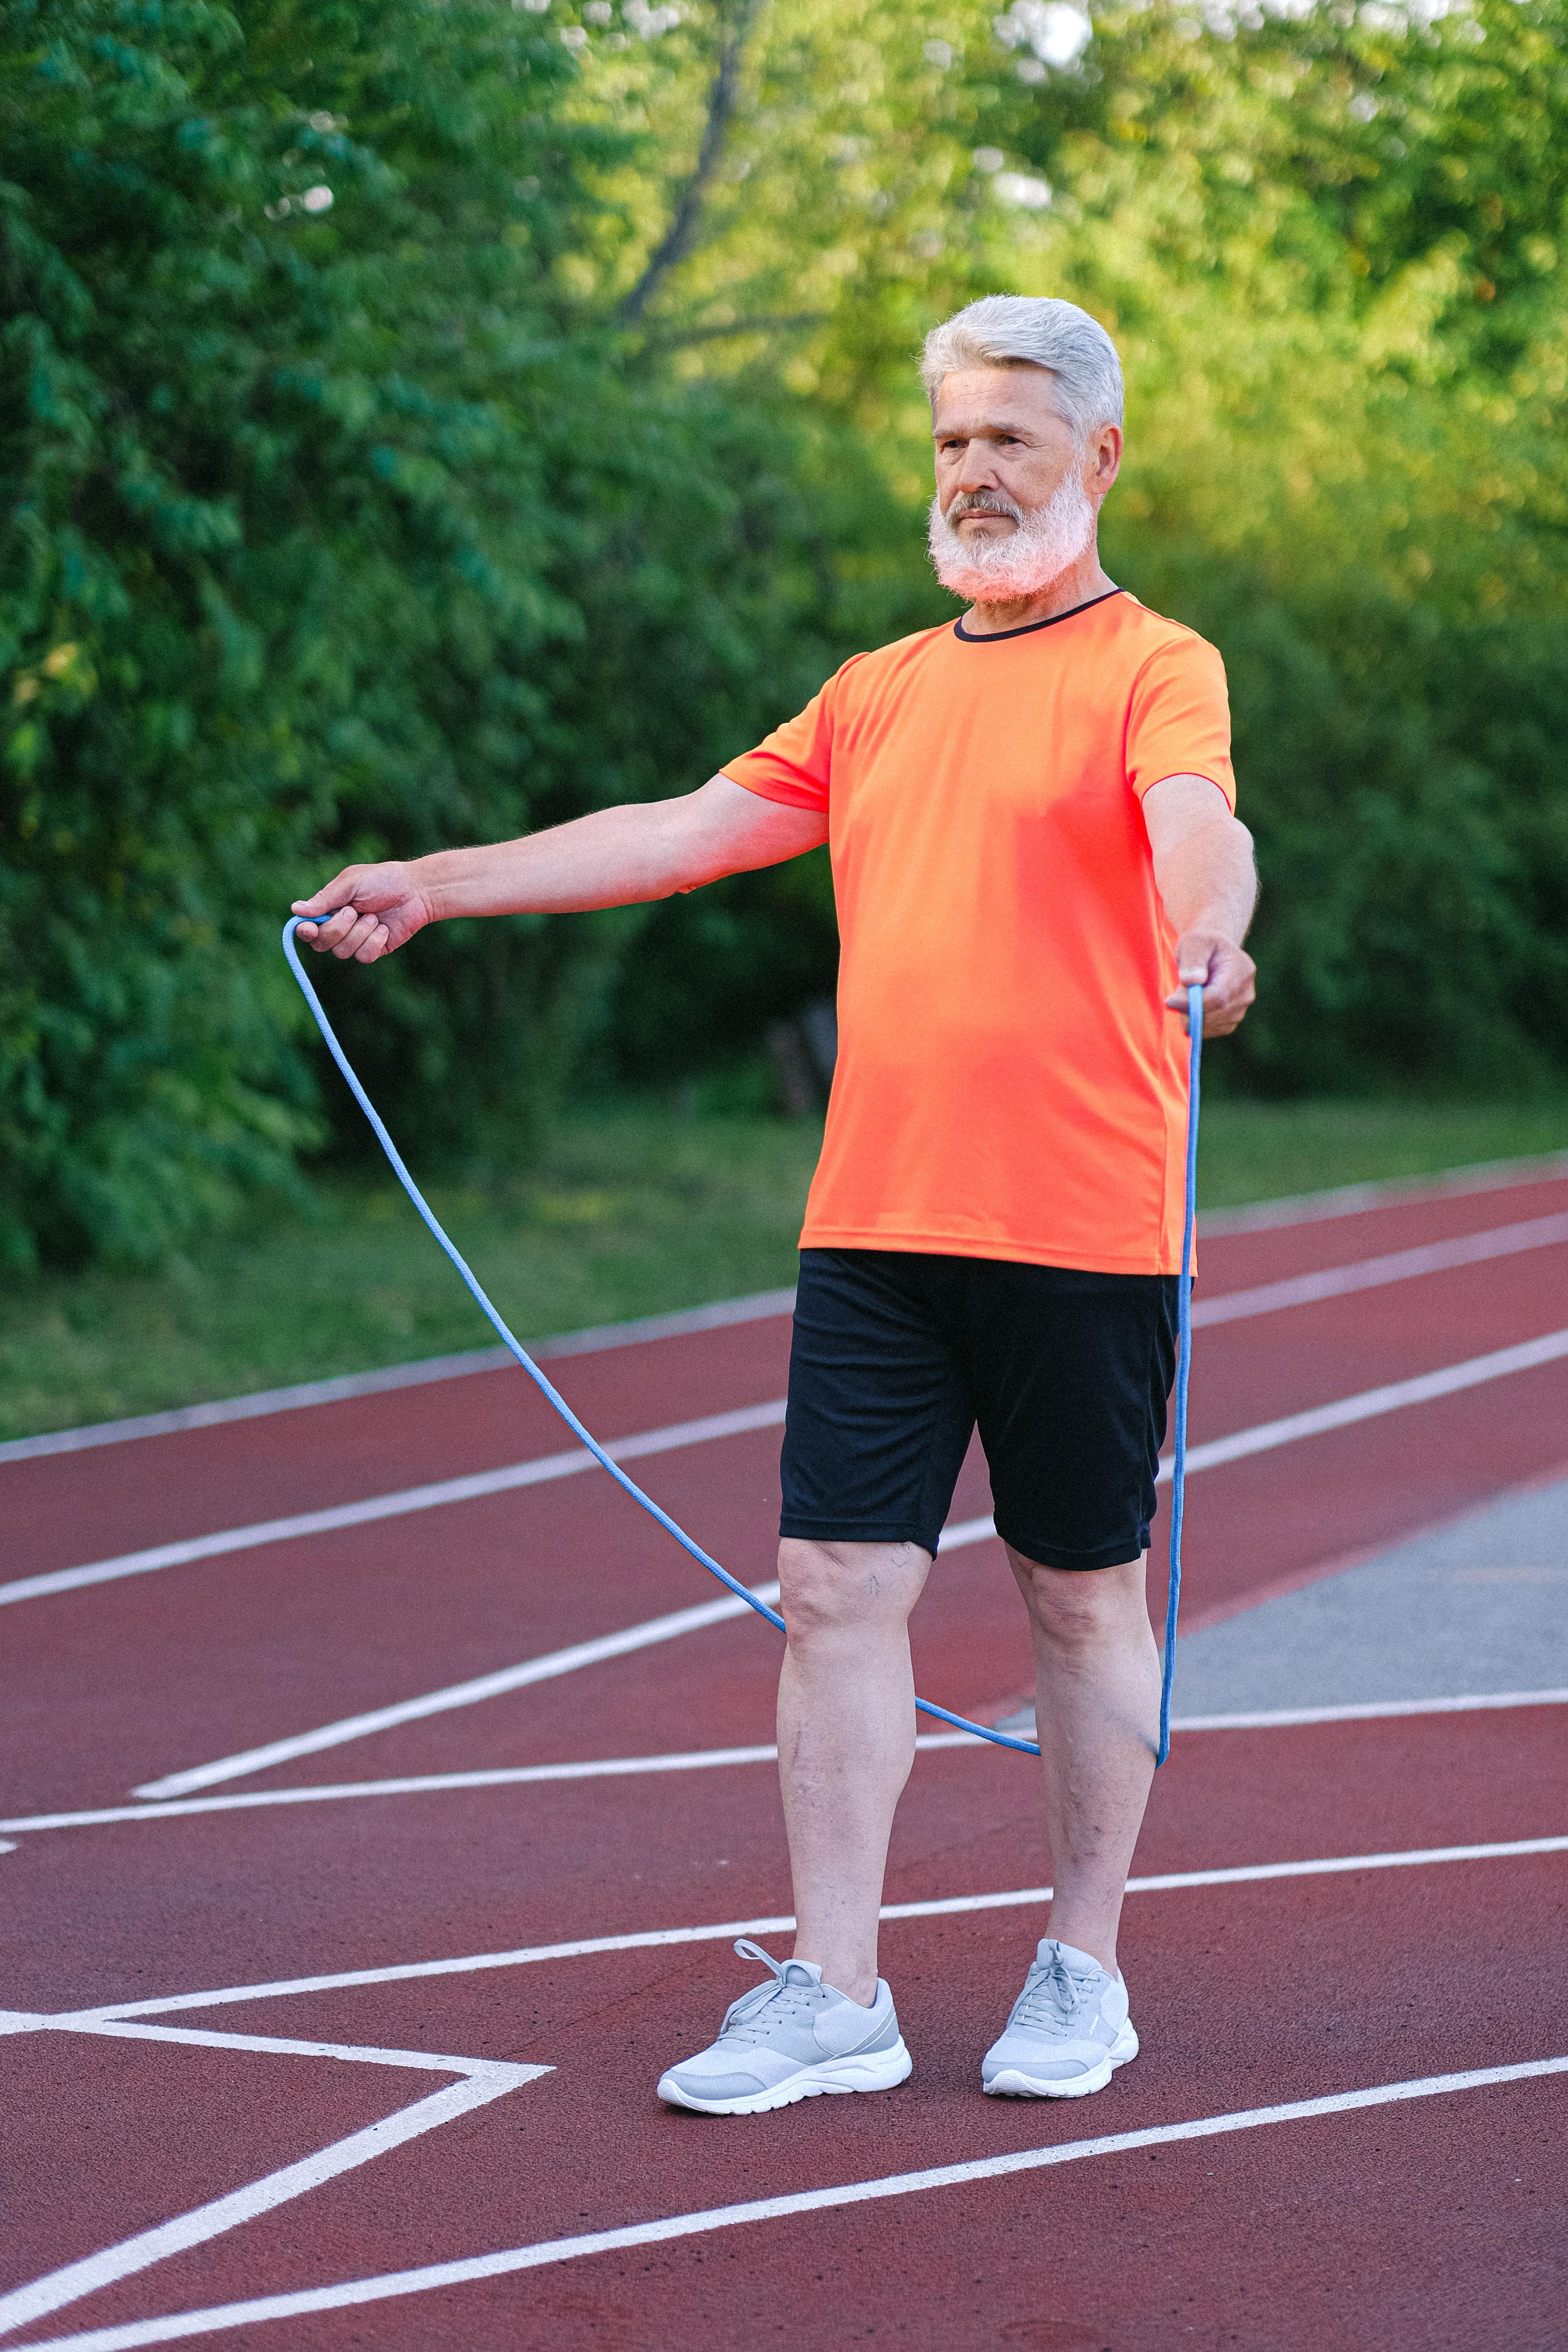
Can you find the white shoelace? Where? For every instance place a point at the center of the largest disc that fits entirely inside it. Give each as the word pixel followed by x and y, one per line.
pixel 769 2009
pixel 1053 1999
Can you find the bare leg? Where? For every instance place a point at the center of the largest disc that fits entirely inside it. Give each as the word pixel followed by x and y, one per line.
pixel 846 1740
pixel 1097 1678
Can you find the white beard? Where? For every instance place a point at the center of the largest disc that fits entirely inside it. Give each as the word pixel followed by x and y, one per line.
pixel 1045 541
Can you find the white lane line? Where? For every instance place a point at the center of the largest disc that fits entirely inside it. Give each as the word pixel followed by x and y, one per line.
pixel 430 2276
pixel 705 1760
pixel 1426 1388
pixel 509 1678
pixel 352 2054
pixel 1306 1209
pixel 1385 1193
pixel 541 1471
pixel 597 1767
pixel 959 1534
pixel 1374 1710
pixel 483 2080
pixel 1373 1272
pixel 941 1907
pixel 1269 1434
pixel 74 2280
pixel 763 1306
pixel 1266 1298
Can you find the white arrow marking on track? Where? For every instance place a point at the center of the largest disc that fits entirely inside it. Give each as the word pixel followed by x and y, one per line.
pixel 484 2079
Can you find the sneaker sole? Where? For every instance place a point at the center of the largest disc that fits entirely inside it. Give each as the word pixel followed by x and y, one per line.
pixel 884 2072
pixel 1012 2084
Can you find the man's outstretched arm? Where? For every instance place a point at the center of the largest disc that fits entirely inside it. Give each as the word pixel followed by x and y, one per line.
pixel 1204 873
pixel 615 857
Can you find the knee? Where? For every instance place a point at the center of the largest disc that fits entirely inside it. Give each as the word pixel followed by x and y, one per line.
pixel 1081 1612
pixel 828 1588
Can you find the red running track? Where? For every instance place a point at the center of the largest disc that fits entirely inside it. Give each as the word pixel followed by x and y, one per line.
pixel 1428 2221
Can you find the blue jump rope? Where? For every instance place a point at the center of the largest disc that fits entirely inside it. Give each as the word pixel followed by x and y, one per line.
pixel 630 1486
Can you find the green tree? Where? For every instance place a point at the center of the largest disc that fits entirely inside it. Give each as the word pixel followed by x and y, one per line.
pixel 335 525
pixel 1331 247
pixel 262 272
pixel 424 423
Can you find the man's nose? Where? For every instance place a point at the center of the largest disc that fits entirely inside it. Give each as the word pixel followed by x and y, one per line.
pixel 976 474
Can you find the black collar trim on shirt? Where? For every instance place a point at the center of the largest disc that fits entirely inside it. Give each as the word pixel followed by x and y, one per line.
pixel 994 637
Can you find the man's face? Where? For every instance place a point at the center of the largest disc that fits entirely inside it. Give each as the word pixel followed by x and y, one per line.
pixel 1001 447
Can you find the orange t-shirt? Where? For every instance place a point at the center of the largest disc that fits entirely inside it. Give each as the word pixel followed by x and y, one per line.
pixel 1009 1082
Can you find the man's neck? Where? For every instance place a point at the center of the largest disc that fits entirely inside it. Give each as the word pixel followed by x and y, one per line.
pixel 1079 585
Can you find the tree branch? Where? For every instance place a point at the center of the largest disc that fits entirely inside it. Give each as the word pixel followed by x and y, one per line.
pixel 680 237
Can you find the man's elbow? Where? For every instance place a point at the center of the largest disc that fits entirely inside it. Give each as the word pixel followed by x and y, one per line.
pixel 678 847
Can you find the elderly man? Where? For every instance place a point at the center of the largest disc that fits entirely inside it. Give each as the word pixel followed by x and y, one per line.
pixel 1029 813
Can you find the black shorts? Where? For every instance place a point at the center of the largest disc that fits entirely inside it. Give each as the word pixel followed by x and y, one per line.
pixel 897 1356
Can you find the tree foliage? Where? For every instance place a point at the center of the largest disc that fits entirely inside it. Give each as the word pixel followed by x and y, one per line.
pixel 423 423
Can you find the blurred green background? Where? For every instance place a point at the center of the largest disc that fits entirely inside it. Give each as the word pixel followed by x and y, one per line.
pixel 425 422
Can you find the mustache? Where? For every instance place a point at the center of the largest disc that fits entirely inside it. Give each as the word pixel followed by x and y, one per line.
pixel 974 502
pixel 1045 540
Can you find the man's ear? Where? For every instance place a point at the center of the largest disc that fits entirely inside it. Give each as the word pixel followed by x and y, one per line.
pixel 1104 451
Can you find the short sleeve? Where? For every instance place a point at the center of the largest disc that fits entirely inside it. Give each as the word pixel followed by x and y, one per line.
pixel 794 763
pixel 1178 721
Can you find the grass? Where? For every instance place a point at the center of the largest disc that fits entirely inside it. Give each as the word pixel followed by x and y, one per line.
pixel 633 1210
pixel 1266 1152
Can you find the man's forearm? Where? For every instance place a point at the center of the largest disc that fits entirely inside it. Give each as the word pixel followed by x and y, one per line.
pixel 1208 882
pixel 615 857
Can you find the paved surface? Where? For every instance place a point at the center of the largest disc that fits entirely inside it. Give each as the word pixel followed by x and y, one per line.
pixel 235 2105
pixel 1479 1605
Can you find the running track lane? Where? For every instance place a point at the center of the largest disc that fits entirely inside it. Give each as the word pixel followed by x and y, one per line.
pixel 64 1508
pixel 204 1673
pixel 154 1909
pixel 1303 1931
pixel 574 2152
pixel 218 1659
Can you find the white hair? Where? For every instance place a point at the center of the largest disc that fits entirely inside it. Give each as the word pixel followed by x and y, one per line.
pixel 1043 543
pixel 1033 330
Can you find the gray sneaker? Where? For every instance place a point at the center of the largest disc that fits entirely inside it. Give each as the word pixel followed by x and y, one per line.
pixel 788 2039
pixel 1069 2032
